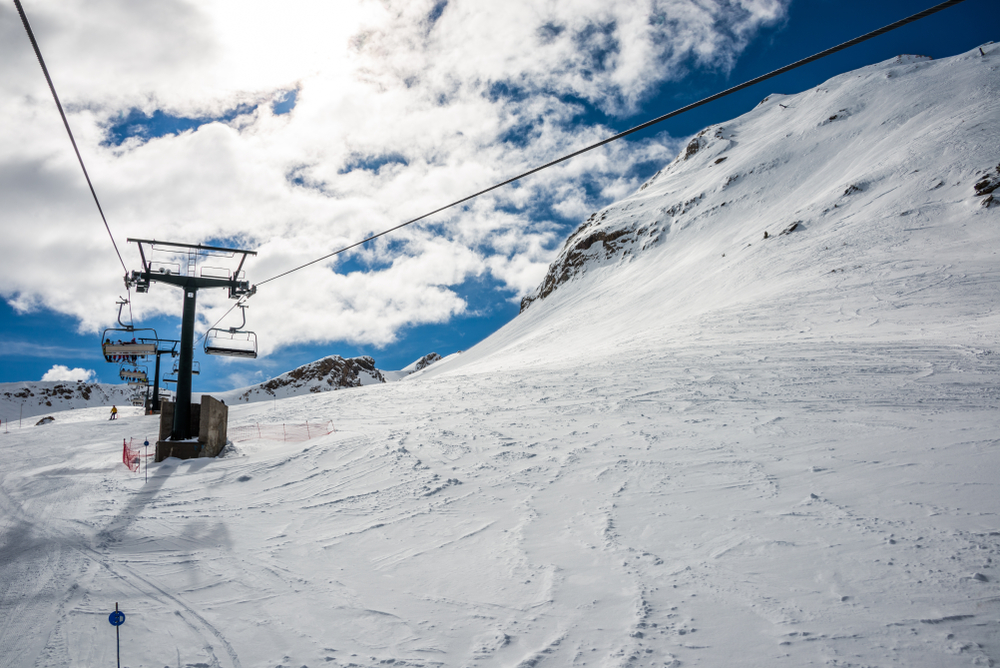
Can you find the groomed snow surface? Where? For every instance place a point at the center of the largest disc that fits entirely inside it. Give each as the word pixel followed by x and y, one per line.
pixel 784 455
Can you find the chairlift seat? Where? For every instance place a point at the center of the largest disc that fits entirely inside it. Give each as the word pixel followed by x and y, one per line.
pixel 195 367
pixel 231 343
pixel 134 376
pixel 137 349
pixel 139 341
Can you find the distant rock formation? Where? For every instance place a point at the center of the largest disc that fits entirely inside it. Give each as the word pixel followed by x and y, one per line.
pixel 31 398
pixel 426 361
pixel 326 374
pixel 985 187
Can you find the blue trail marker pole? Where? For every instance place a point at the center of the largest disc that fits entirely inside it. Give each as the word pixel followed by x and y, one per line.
pixel 117 618
pixel 146 467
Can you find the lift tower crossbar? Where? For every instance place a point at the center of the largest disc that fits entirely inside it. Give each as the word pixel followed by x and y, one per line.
pixel 181 270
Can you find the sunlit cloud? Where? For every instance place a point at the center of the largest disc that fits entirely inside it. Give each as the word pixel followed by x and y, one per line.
pixel 61 372
pixel 297 130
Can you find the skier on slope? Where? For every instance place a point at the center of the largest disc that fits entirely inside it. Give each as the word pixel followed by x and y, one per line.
pixel 114 413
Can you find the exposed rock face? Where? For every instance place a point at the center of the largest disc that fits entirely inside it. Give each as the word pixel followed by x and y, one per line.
pixel 985 187
pixel 621 229
pixel 330 373
pixel 426 361
pixel 584 245
pixel 44 394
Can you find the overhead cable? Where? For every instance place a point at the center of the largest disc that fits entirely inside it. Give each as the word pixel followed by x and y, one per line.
pixel 45 71
pixel 643 126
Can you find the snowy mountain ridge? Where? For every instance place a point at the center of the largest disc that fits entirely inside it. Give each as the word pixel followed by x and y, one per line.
pixel 27 399
pixel 23 400
pixel 819 146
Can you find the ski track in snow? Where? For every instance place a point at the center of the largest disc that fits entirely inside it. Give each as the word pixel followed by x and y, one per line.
pixel 742 504
pixel 722 450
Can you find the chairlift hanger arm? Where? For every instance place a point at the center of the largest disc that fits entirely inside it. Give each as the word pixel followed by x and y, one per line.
pixel 121 303
pixel 243 310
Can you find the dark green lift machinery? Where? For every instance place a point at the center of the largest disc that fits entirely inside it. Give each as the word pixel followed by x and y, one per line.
pixel 181 270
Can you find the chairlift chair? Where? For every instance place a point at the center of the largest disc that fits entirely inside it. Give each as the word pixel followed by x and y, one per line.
pixel 232 342
pixel 195 367
pixel 134 375
pixel 127 343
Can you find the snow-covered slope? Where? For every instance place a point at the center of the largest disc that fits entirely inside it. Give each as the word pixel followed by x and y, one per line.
pixel 720 450
pixel 807 165
pixel 870 190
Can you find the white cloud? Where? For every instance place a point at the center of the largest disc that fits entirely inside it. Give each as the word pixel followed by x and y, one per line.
pixel 61 372
pixel 396 114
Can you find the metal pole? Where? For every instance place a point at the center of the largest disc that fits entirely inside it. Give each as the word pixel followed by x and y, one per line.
pixel 182 403
pixel 118 640
pixel 155 404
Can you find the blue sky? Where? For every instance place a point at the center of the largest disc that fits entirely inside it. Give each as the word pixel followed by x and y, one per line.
pixel 167 152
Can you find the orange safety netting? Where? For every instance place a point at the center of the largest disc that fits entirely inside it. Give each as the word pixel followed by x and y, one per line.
pixel 130 455
pixel 280 432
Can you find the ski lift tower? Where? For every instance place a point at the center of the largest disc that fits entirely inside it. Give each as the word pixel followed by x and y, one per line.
pixel 179 267
pixel 163 347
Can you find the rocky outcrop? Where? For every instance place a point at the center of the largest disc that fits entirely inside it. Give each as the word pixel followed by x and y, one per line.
pixel 330 373
pixel 44 394
pixel 426 361
pixel 582 246
pixel 986 185
pixel 614 233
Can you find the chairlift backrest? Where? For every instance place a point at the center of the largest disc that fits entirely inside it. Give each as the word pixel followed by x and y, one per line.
pixel 232 342
pixel 130 348
pixel 127 343
pixel 134 375
pixel 195 367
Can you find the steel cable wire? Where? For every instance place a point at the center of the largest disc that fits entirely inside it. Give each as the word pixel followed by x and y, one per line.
pixel 52 88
